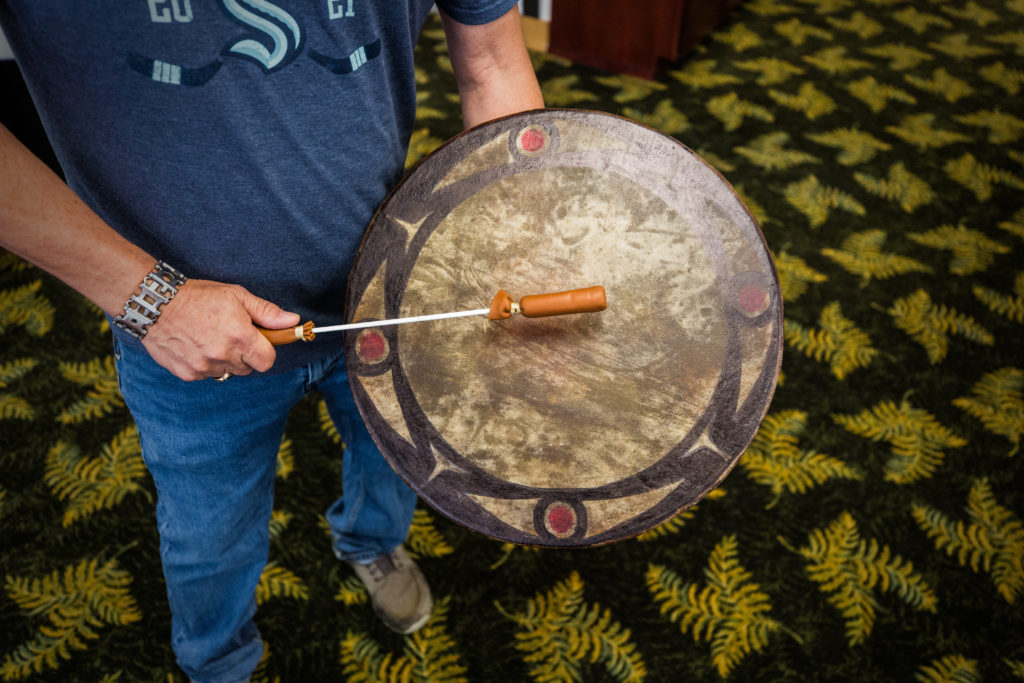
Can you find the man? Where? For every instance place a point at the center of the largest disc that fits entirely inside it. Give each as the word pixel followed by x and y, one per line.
pixel 243 145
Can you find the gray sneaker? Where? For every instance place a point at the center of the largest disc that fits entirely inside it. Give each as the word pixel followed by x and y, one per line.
pixel 398 590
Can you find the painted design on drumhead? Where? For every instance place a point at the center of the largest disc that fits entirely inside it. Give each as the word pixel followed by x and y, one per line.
pixel 752 296
pixel 372 346
pixel 533 140
pixel 582 429
pixel 560 519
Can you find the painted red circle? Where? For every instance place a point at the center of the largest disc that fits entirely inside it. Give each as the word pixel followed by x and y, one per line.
pixel 752 299
pixel 372 346
pixel 561 519
pixel 532 139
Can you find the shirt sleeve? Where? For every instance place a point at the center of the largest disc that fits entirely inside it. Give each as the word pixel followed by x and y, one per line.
pixel 475 12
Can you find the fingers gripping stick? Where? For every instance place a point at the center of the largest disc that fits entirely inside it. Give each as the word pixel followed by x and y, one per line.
pixel 587 300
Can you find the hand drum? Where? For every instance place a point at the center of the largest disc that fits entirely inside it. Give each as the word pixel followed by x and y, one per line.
pixel 570 430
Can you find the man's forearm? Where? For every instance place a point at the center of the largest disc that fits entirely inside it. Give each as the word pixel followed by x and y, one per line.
pixel 45 223
pixel 492 68
pixel 205 331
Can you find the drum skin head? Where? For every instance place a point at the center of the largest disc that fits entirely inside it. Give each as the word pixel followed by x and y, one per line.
pixel 572 430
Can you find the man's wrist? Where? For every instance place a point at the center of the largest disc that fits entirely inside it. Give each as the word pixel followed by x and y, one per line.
pixel 143 308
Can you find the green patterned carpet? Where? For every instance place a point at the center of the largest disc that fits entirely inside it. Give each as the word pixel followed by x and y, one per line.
pixel 873 532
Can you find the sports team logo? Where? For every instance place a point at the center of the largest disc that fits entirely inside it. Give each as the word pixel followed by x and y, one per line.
pixel 273 39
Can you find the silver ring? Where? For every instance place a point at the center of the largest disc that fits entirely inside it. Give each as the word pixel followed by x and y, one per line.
pixel 223 377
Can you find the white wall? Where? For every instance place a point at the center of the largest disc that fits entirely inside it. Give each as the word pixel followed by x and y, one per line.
pixel 543 9
pixel 5 49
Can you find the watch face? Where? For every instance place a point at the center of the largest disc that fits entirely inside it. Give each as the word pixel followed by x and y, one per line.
pixel 577 429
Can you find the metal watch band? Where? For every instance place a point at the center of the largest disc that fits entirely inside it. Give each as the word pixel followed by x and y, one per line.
pixel 142 309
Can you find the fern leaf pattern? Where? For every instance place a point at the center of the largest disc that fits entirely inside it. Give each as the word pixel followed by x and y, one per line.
pixel 815 200
pixel 424 539
pixel 798 32
pixel 15 408
pixel 97 483
pixel 770 153
pixel 1008 305
pixel 810 101
pixel 327 424
pixel 285 463
pixel 279 520
pixel 559 631
pixel 1003 128
pixel 919 22
pixel 959 46
pixel 1016 667
pixel 429 655
pixel 14 370
pixel 855 146
pixel 673 525
pixel 795 276
pixel 25 307
pixel 559 92
pixel 992 540
pixel 629 88
pixel 421 143
pixel 942 83
pixel 730 611
pixel 770 7
pixel 980 178
pixel 352 592
pixel 851 569
pixel 1015 226
pixel 861 254
pixel 859 24
pixel 972 250
pixel 930 325
pixel 837 341
pixel 774 458
pixel 278 582
pixel 771 70
pixel 949 668
pixel 739 37
pixel 901 57
pixel 972 11
pixel 918 440
pixel 732 111
pixel 76 603
pixel 834 60
pixel 103 396
pixel 901 186
pixel 665 117
pixel 920 130
pixel 701 74
pixel 1006 78
pixel 997 399
pixel 878 95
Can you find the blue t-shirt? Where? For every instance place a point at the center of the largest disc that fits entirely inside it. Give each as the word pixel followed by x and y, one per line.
pixel 244 141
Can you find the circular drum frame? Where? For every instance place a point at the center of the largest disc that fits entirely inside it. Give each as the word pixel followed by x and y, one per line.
pixel 727 325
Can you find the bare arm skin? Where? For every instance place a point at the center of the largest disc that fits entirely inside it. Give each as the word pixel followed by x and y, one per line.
pixel 492 68
pixel 205 331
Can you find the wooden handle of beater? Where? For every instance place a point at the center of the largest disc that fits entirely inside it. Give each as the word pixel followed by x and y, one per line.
pixel 289 334
pixel 586 300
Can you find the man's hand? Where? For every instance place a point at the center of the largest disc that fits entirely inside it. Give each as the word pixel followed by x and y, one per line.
pixel 208 329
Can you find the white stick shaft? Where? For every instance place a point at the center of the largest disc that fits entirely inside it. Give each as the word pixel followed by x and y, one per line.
pixel 401 321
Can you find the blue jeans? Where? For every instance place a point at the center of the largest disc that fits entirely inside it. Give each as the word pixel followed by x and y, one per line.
pixel 211 448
